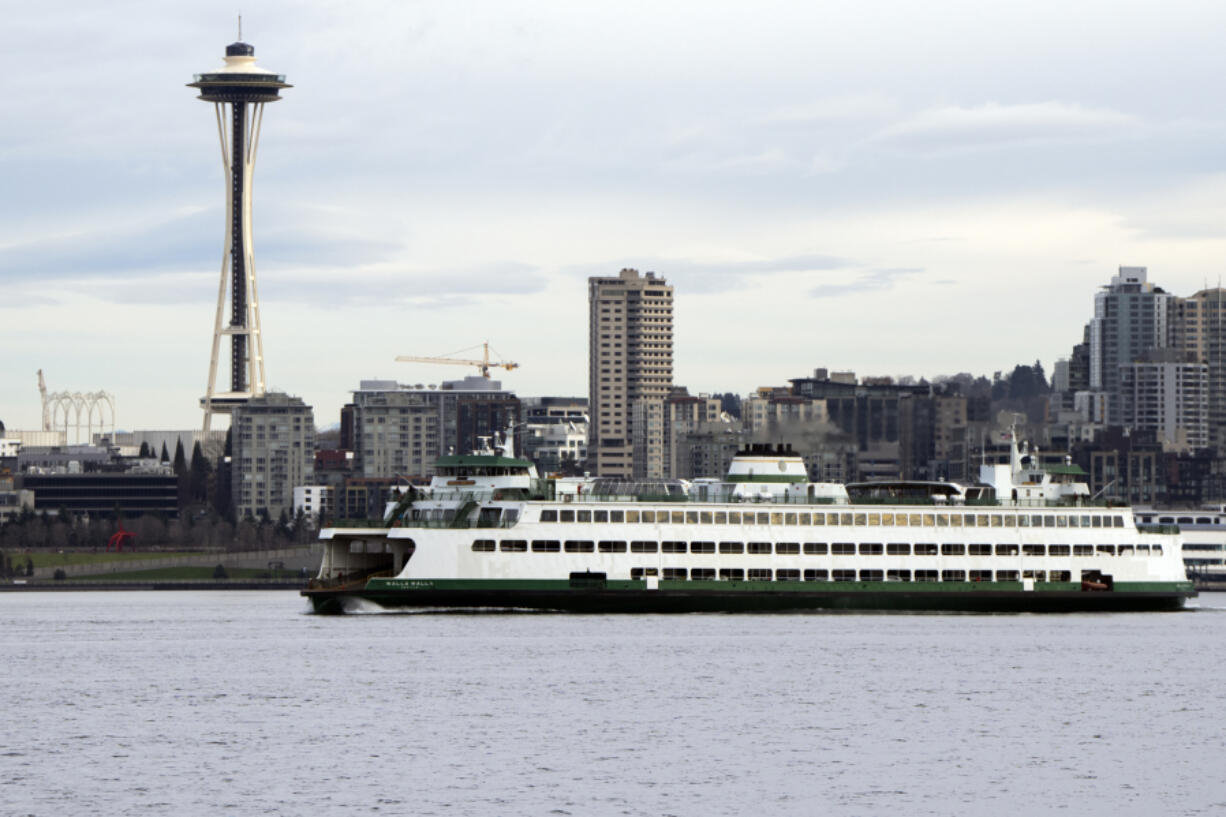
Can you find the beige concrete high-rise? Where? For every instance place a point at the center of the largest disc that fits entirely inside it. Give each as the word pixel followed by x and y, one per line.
pixel 630 358
pixel 1198 327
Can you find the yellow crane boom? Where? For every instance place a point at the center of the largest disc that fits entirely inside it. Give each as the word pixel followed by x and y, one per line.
pixel 485 364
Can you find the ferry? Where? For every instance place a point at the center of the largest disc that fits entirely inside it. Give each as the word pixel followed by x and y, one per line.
pixel 489 533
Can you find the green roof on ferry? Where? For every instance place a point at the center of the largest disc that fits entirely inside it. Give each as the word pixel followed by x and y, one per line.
pixel 473 460
pixel 1074 470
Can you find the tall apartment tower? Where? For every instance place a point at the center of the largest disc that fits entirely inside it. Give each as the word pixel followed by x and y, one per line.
pixel 272 439
pixel 630 359
pixel 1199 329
pixel 238 91
pixel 1131 317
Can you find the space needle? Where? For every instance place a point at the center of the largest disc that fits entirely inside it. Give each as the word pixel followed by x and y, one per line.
pixel 238 91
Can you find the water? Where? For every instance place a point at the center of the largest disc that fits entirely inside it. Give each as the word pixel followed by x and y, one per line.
pixel 242 703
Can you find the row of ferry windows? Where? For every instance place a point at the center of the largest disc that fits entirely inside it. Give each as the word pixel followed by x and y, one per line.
pixel 914 520
pixel 808 548
pixel 753 574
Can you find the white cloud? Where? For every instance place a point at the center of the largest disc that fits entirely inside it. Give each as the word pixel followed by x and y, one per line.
pixel 994 125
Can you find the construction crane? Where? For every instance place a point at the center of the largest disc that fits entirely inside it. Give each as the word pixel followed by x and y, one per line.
pixel 485 364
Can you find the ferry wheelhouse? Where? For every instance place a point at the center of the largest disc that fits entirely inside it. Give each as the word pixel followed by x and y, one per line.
pixel 488 532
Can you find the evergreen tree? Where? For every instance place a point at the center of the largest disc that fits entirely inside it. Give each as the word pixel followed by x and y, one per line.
pixel 180 467
pixel 165 455
pixel 29 567
pixel 222 499
pixel 180 459
pixel 199 475
pixel 145 453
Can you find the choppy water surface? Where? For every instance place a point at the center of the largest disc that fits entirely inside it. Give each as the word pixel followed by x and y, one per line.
pixel 242 703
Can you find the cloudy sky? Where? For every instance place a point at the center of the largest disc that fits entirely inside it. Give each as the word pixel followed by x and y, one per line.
pixel 886 187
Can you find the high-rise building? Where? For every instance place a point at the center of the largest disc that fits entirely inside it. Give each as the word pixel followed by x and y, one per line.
pixel 238 91
pixel 272 444
pixel 1131 317
pixel 1199 328
pixel 630 358
pixel 1165 392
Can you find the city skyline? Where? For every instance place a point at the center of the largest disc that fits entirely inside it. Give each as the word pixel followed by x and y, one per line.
pixel 947 200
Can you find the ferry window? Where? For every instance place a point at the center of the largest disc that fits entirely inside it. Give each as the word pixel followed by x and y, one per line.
pixel 759 547
pixel 787 575
pixel 942 520
pixel 1143 550
pixel 678 517
pixel 968 520
pixel 1097 521
pixel 1034 550
pixel 759 574
pixel 789 519
pixel 650 516
pixel 636 573
pixel 1006 575
pixel 617 516
pixel 1036 520
pixel 776 519
pixel 702 547
pixel 819 519
pixel 1083 550
pixel 703 574
pixel 483 545
pixel 1010 520
pixel 979 550
pixel 1059 521
pixel 925 575
pixel 549 516
pixel 804 519
pixel 872 575
pixel 815 548
pixel 1157 550
pixel 546 546
pixel 870 549
pixel 787 548
pixel 691 517
pixel 916 520
pixel 643 547
pixel 953 550
pixel 874 519
pixel 514 545
pixel 510 516
pixel 721 518
pixel 672 547
pixel 1107 550
pixel 705 518
pixel 599 516
pixel 1184 520
pixel 996 520
pixel 981 575
pixel 763 518
pixel 731 547
pixel 1125 550
pixel 1037 575
pixel 843 549
pixel 568 516
pixel 1085 521
pixel 734 517
pixel 731 574
pixel 582 516
pixel 926 549
pixel 1006 550
pixel 844 575
pixel 1058 550
pixel 1061 576
pixel 953 575
pixel 612 547
pixel 1023 521
pixel 1200 520
pixel 580 546
pixel 858 519
pixel 898 548
pixel 887 520
pixel 675 574
pixel 845 519
pixel 929 520
pixel 632 517
pixel 1117 521
pixel 898 575
pixel 1166 520
pixel 816 575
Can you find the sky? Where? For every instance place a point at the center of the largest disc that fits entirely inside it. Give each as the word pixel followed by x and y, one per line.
pixel 883 187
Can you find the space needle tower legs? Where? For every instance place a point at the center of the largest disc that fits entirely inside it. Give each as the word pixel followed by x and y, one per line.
pixel 238 91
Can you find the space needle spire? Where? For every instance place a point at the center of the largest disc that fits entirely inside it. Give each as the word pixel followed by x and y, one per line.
pixel 238 91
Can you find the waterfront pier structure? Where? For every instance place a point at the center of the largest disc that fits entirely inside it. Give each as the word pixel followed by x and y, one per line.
pixel 238 91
